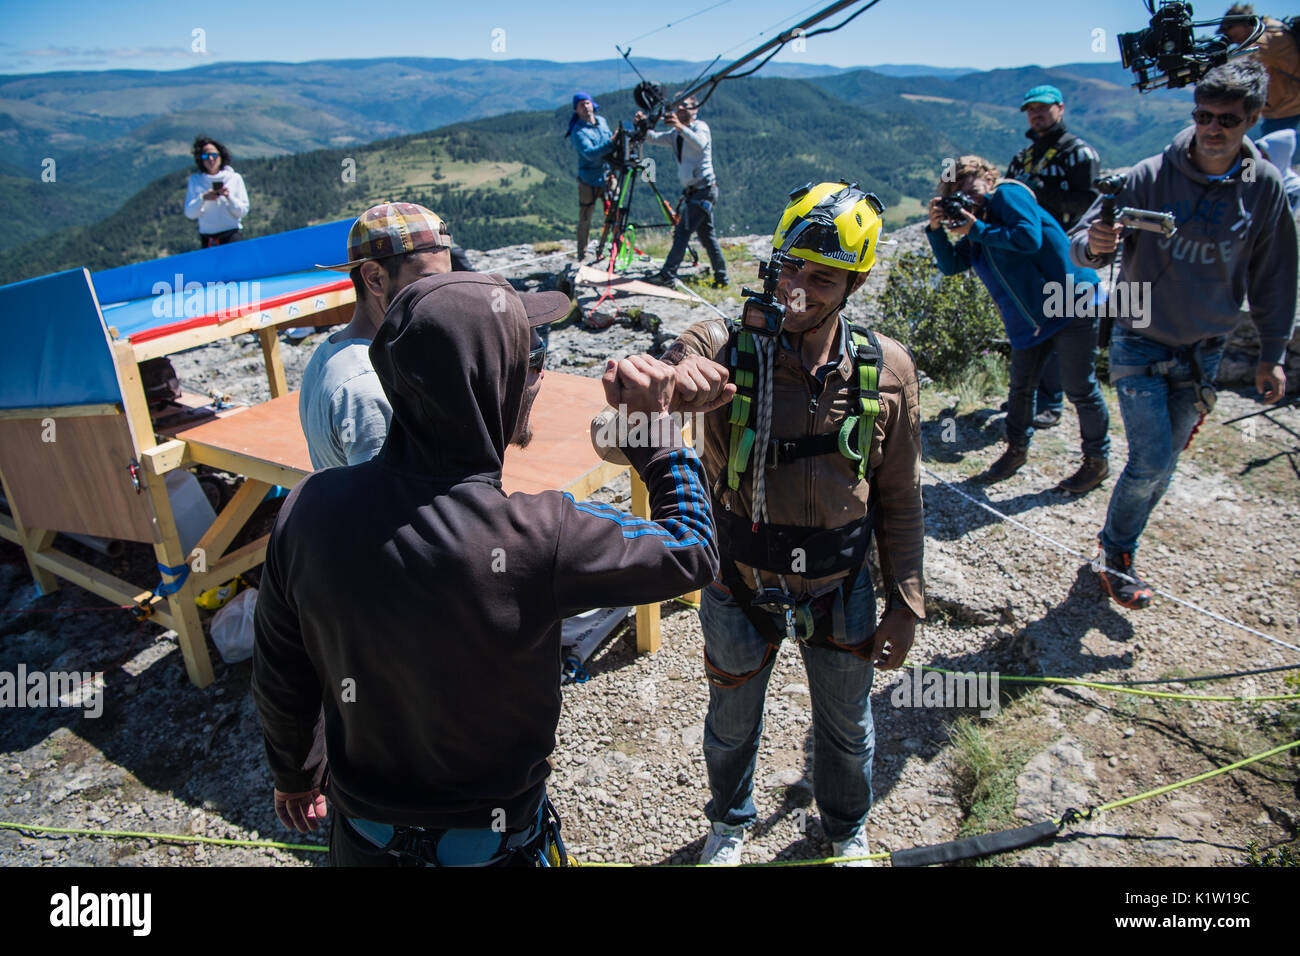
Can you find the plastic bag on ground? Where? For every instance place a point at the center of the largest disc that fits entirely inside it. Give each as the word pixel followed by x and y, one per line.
pixel 232 627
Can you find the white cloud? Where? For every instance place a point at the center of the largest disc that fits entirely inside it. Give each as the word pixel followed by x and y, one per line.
pixel 99 54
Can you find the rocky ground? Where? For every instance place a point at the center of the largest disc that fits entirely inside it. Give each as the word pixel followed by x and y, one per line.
pixel 629 773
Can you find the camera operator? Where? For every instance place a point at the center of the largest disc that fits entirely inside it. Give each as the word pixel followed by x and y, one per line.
pixel 1235 235
pixel 1021 254
pixel 593 141
pixel 1279 54
pixel 1059 167
pixel 693 145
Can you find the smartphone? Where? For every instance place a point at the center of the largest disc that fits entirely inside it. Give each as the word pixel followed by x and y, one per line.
pixel 216 184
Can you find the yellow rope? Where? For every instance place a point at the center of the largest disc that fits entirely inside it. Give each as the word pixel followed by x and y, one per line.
pixel 1076 682
pixel 171 837
pixel 1115 804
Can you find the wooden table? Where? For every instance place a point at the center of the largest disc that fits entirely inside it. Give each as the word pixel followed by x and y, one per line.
pixel 265 443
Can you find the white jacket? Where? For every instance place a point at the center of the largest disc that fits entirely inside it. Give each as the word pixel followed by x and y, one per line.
pixel 694 149
pixel 216 215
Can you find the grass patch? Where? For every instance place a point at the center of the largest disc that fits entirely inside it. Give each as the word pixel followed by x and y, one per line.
pixel 545 247
pixel 908 210
pixel 987 756
pixel 985 376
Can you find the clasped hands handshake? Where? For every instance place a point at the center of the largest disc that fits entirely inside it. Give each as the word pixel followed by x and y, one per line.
pixel 641 383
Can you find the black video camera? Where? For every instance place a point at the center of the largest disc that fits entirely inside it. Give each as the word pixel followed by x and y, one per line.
pixel 1168 54
pixel 953 205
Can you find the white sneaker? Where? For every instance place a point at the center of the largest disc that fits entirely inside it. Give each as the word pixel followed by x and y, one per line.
pixel 854 846
pixel 723 846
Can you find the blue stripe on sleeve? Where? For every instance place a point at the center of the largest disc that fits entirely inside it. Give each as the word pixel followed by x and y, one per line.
pixel 691 529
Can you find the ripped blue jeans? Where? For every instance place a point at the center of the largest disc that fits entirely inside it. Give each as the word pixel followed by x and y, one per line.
pixel 1158 421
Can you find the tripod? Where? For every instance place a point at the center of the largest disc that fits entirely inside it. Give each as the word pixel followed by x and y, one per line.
pixel 617 229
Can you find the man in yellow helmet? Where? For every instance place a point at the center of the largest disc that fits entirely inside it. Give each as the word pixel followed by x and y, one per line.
pixel 820 448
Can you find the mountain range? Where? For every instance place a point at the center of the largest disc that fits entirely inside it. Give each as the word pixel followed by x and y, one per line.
pixel 474 145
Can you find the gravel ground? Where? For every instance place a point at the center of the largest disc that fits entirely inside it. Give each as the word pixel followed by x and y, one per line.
pixel 629 776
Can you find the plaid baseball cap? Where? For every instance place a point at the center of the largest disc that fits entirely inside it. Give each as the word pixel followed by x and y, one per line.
pixel 392 229
pixel 1043 94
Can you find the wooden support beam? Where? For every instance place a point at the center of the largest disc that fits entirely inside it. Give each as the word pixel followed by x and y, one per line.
pixel 236 562
pixel 232 519
pixel 274 364
pixel 60 411
pixel 184 614
pixel 241 464
pixel 135 405
pixel 647 615
pixel 101 583
pixel 163 458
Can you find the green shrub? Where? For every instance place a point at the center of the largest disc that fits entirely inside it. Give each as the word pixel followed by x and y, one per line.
pixel 947 321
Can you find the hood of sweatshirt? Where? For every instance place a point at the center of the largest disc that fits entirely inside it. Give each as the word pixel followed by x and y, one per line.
pixel 452 356
pixel 1280 146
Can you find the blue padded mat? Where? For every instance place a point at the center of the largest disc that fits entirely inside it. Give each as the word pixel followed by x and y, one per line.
pixel 56 351
pixel 156 312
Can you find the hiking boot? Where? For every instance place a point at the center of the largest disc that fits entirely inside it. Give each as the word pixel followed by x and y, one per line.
pixel 721 283
pixel 854 846
pixel 1047 418
pixel 660 279
pixel 1091 473
pixel 1133 594
pixel 1011 461
pixel 723 846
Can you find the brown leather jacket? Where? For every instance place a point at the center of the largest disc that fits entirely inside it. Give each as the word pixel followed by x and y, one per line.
pixel 1278 54
pixel 824 491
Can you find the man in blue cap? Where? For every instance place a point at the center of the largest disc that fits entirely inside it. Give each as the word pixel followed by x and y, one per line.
pixel 593 141
pixel 1060 168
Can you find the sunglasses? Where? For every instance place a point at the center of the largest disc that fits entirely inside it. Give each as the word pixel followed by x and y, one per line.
pixel 1226 120
pixel 536 353
pixel 208 155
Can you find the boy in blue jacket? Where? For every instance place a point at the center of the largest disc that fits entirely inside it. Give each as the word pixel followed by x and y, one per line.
pixel 1021 254
pixel 593 141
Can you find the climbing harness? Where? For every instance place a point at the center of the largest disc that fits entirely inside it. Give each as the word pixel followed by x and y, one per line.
pixel 539 845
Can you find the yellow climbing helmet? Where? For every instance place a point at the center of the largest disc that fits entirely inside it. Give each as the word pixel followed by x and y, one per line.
pixel 835 224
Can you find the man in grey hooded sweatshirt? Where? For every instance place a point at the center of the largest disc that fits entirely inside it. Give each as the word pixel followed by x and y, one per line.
pixel 1235 235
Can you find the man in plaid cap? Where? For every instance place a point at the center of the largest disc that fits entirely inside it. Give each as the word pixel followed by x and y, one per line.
pixel 342 406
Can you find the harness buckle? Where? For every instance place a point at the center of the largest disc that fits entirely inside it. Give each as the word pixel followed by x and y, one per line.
pixel 779 450
pixel 780 605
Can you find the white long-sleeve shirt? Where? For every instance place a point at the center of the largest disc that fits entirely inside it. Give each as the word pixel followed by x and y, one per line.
pixel 216 215
pixel 694 149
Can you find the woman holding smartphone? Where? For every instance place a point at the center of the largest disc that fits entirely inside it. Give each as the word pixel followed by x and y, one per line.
pixel 215 196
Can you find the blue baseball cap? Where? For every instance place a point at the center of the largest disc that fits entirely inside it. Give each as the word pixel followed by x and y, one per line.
pixel 580 96
pixel 1043 94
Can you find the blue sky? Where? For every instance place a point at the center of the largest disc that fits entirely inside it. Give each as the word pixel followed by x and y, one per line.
pixel 135 34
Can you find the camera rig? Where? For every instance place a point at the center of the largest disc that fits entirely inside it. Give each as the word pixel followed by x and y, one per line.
pixel 625 158
pixel 1144 219
pixel 1167 54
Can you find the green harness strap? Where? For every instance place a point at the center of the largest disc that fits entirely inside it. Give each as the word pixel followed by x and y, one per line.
pixel 867 357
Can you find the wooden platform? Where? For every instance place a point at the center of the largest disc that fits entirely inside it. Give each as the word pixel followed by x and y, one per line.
pixel 266 443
